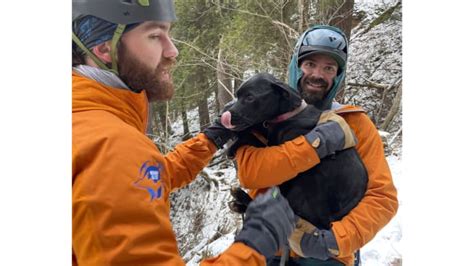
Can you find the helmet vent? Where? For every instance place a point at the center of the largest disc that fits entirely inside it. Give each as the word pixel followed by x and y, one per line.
pixel 128 2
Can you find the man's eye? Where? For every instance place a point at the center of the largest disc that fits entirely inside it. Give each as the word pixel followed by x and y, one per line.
pixel 155 36
pixel 330 69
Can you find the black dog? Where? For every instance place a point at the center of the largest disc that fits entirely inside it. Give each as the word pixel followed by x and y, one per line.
pixel 322 194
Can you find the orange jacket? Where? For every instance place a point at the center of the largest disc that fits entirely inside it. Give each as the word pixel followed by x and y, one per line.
pixel 259 168
pixel 121 183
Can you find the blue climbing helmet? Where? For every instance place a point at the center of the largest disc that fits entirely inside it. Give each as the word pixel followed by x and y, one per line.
pixel 96 21
pixel 320 39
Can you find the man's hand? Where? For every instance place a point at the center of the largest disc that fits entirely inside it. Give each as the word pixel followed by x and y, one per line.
pixel 217 133
pixel 331 134
pixel 268 223
pixel 309 241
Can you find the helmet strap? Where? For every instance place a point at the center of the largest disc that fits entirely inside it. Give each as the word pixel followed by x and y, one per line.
pixel 117 34
pixel 94 58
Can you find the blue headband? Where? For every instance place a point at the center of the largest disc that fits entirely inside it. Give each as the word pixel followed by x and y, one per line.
pixel 93 31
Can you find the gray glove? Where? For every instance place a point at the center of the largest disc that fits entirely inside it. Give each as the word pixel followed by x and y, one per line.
pixel 331 134
pixel 268 223
pixel 309 241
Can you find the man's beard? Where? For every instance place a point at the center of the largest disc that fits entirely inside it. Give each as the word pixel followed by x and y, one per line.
pixel 313 97
pixel 139 77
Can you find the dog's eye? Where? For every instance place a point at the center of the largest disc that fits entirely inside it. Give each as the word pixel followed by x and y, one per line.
pixel 249 98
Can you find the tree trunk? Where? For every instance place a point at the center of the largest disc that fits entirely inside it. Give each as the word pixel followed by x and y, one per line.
pixel 303 12
pixel 184 117
pixel 393 110
pixel 342 18
pixel 338 13
pixel 161 108
pixel 224 84
pixel 203 111
pixel 237 82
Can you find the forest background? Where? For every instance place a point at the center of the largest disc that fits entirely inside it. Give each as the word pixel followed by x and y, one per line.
pixel 223 42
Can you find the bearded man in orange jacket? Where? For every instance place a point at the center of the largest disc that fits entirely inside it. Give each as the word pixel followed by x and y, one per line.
pixel 122 55
pixel 316 70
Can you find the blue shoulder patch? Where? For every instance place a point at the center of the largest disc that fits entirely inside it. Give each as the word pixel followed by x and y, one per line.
pixel 149 179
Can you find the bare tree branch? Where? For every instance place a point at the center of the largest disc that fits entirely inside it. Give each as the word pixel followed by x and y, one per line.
pixel 382 101
pixel 369 85
pixel 394 137
pixel 333 15
pixel 203 53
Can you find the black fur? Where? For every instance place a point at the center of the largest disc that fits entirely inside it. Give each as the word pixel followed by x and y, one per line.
pixel 324 193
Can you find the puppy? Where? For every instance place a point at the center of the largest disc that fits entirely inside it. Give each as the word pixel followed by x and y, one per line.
pixel 268 107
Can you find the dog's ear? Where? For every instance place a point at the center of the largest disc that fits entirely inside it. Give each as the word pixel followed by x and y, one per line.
pixel 289 100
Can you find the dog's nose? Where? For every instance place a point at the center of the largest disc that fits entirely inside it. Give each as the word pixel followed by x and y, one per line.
pixel 225 120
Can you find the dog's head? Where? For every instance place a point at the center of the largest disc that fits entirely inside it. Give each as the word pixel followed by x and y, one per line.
pixel 262 97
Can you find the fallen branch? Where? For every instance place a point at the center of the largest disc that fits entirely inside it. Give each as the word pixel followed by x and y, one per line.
pixel 394 137
pixel 370 84
pixel 209 179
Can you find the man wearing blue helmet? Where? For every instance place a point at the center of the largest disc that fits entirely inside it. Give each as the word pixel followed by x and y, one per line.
pixel 316 70
pixel 122 56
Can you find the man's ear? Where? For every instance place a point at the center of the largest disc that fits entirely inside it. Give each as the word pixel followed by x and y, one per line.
pixel 103 52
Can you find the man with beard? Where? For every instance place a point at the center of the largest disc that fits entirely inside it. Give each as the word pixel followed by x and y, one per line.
pixel 316 70
pixel 122 56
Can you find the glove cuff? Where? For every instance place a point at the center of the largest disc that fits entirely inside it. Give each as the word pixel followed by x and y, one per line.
pixel 309 241
pixel 302 227
pixel 331 243
pixel 316 140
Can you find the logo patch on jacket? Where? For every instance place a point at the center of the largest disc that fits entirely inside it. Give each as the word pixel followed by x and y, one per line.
pixel 150 179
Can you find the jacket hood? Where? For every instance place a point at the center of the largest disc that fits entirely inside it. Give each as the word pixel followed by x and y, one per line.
pixel 295 73
pixel 131 107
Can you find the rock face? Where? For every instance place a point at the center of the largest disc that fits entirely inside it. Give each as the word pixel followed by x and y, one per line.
pixel 204 225
pixel 375 58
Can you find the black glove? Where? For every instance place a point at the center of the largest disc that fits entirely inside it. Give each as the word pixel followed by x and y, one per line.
pixel 241 200
pixel 331 134
pixel 217 133
pixel 268 223
pixel 309 241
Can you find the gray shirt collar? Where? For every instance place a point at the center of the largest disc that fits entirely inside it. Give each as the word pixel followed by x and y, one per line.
pixel 100 75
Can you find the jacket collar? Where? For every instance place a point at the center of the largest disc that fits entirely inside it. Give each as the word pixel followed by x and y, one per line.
pixel 89 94
pixel 100 75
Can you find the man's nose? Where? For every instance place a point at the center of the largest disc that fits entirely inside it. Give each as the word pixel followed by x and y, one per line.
pixel 170 50
pixel 316 72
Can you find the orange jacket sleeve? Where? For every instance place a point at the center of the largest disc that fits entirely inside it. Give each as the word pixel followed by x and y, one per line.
pixel 188 159
pixel 237 254
pixel 269 166
pixel 379 203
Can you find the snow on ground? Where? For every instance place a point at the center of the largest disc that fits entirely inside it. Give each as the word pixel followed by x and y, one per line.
pixel 384 249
